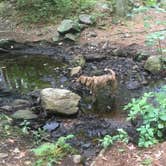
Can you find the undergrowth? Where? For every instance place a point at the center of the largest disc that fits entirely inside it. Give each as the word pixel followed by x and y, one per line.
pixel 44 11
pixel 51 153
pixel 151 109
pixel 108 140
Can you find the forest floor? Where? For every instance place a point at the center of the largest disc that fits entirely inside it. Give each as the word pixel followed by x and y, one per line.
pixel 15 150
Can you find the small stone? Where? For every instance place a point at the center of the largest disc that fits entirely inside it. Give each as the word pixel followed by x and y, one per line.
pixel 21 102
pixel 77 159
pixel 86 19
pixel 3 155
pixel 78 60
pixel 71 37
pixel 28 163
pixel 6 108
pixel 132 85
pixel 24 114
pixel 56 37
pixel 67 26
pixel 50 126
pixel 75 70
pixel 92 34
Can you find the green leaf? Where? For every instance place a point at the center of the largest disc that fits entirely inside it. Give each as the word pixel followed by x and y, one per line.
pixel 160 126
pixel 163 117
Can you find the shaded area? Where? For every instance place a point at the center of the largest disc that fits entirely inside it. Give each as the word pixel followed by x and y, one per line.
pixel 27 73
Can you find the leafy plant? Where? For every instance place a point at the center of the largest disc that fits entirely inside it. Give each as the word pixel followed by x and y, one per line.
pixel 108 140
pixel 39 135
pixel 151 107
pixel 52 153
pixel 147 162
pixel 25 127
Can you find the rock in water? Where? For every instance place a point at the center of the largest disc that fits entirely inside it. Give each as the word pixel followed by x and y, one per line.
pixel 75 70
pixel 59 101
pixel 154 64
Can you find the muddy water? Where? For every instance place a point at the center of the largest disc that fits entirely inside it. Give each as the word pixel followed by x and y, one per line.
pixel 27 73
pixel 23 74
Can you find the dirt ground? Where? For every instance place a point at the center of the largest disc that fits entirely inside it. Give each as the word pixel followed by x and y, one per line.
pixel 128 155
pixel 14 150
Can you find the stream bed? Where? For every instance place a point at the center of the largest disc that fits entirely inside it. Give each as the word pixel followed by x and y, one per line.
pixel 22 75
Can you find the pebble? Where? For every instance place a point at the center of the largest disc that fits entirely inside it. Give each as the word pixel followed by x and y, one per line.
pixel 77 159
pixel 3 155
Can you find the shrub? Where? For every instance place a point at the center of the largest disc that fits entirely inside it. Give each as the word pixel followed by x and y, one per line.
pixel 108 140
pixel 151 107
pixel 52 153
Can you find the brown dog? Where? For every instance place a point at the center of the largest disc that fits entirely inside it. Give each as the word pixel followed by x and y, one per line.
pixel 95 83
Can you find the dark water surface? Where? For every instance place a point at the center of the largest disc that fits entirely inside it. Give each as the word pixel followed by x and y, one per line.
pixel 27 73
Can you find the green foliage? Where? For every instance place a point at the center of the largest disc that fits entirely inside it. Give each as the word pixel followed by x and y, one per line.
pixel 42 10
pixel 5 122
pixel 52 153
pixel 150 2
pixel 147 162
pixel 108 140
pixel 25 127
pixel 151 107
pixel 39 135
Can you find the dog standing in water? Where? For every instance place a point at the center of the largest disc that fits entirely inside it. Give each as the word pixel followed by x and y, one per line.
pixel 95 83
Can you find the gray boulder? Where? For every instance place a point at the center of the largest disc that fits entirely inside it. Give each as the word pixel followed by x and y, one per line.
pixel 154 64
pixel 86 19
pixel 24 114
pixel 59 101
pixel 68 26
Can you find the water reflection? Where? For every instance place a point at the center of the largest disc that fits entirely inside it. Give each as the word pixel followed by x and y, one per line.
pixel 29 72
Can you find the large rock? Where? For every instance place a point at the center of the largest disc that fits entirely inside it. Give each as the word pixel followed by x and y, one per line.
pixel 154 64
pixel 59 101
pixel 68 26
